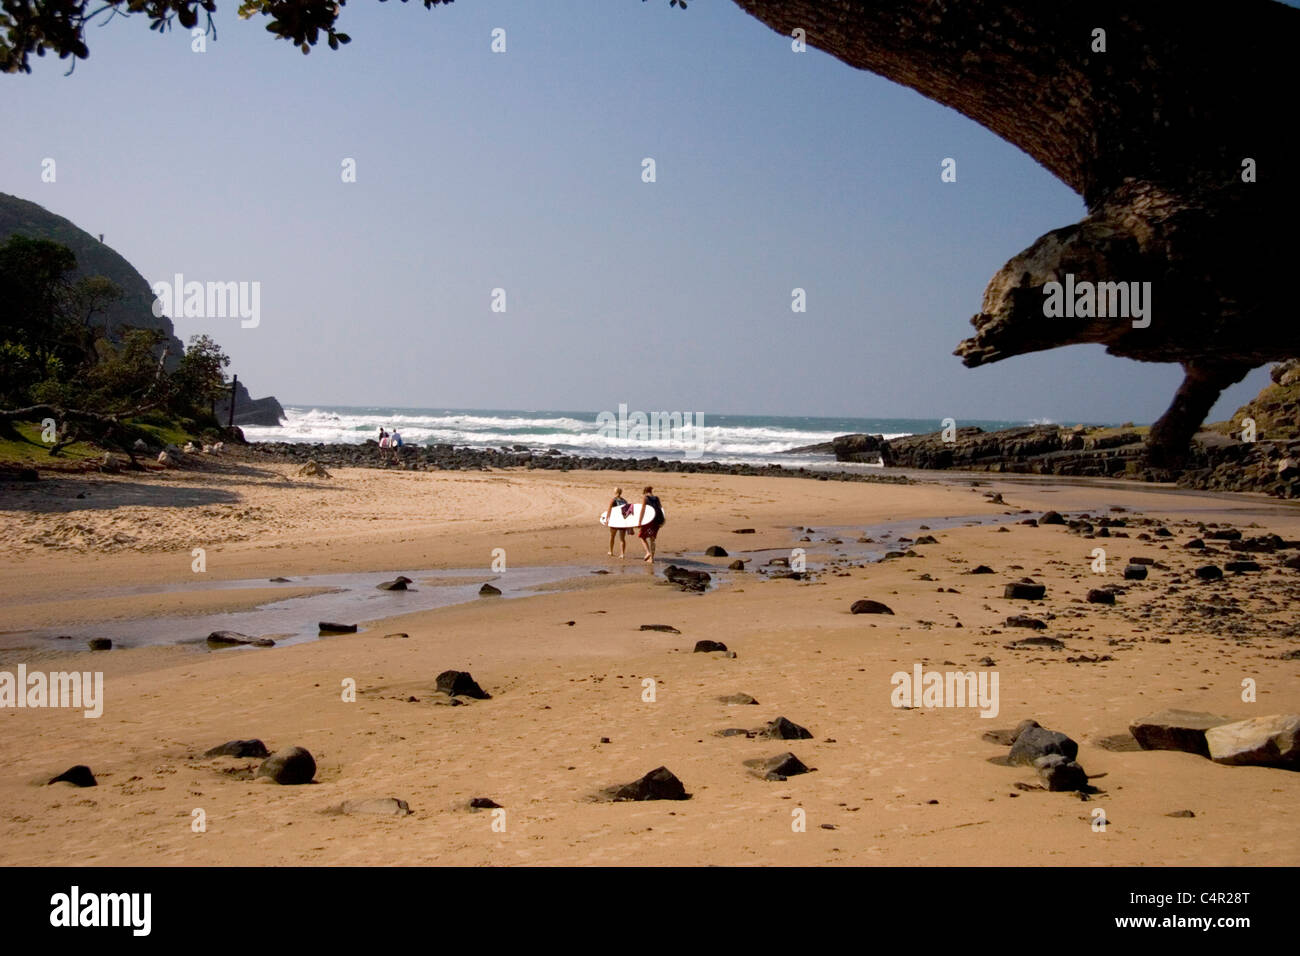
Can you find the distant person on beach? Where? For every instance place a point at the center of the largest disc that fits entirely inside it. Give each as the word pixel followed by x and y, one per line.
pixel 396 441
pixel 619 503
pixel 650 532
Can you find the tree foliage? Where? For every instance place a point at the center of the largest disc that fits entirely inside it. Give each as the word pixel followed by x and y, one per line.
pixel 54 352
pixel 59 26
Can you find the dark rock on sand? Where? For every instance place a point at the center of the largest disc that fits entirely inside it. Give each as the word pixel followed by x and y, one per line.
pixel 1052 517
pixel 1272 741
pixel 1101 596
pixel 716 551
pixel 1238 567
pixel 658 784
pixel 239 748
pixel 234 638
pixel 398 583
pixel 687 579
pixel 1176 730
pixel 330 627
pixel 484 803
pixel 869 607
pixel 461 684
pixel 783 729
pixel 100 644
pixel 1024 620
pixel 737 699
pixel 981 569
pixel 1018 591
pixel 779 767
pixel 1036 742
pixel 488 590
pixel 1209 572
pixel 666 628
pixel 79 775
pixel 1135 572
pixel 708 647
pixel 290 767
pixel 743 531
pixel 1061 774
pixel 736 565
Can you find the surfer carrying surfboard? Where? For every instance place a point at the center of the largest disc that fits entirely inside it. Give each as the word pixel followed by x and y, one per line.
pixel 650 532
pixel 617 504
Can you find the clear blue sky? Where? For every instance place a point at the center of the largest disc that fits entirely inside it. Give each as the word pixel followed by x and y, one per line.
pixel 522 170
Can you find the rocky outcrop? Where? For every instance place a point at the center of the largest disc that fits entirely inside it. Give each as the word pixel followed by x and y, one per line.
pixel 251 411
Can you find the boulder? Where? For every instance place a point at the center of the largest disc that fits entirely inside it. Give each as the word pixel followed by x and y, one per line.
pixel 461 684
pixel 484 803
pixel 1061 774
pixel 239 748
pixel 783 729
pixel 488 590
pixel 1052 517
pixel 1209 572
pixel 687 579
pixel 779 767
pixel 291 767
pixel 1035 742
pixel 1272 741
pixel 981 569
pixel 398 583
pixel 330 627
pixel 1101 596
pixel 100 644
pixel 1176 730
pixel 1019 591
pixel 658 784
pixel 219 639
pixel 869 607
pixel 78 776
pixel 737 565
pixel 708 647
pixel 1024 620
pixel 716 551
pixel 1135 572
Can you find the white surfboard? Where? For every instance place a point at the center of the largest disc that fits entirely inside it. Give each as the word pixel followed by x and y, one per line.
pixel 634 518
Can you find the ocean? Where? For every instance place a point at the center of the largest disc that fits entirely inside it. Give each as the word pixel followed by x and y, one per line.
pixel 732 439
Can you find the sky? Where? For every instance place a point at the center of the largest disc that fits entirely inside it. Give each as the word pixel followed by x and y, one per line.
pixel 522 171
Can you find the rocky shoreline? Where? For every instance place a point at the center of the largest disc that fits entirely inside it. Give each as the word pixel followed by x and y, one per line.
pixel 454 458
pixel 1215 462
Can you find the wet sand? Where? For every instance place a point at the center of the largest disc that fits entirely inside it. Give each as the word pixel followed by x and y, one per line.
pixel 891 786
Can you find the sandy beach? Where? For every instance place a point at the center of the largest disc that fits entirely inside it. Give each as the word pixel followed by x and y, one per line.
pixel 567 669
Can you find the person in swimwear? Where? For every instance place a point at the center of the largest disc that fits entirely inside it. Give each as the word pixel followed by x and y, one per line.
pixel 649 533
pixel 619 503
